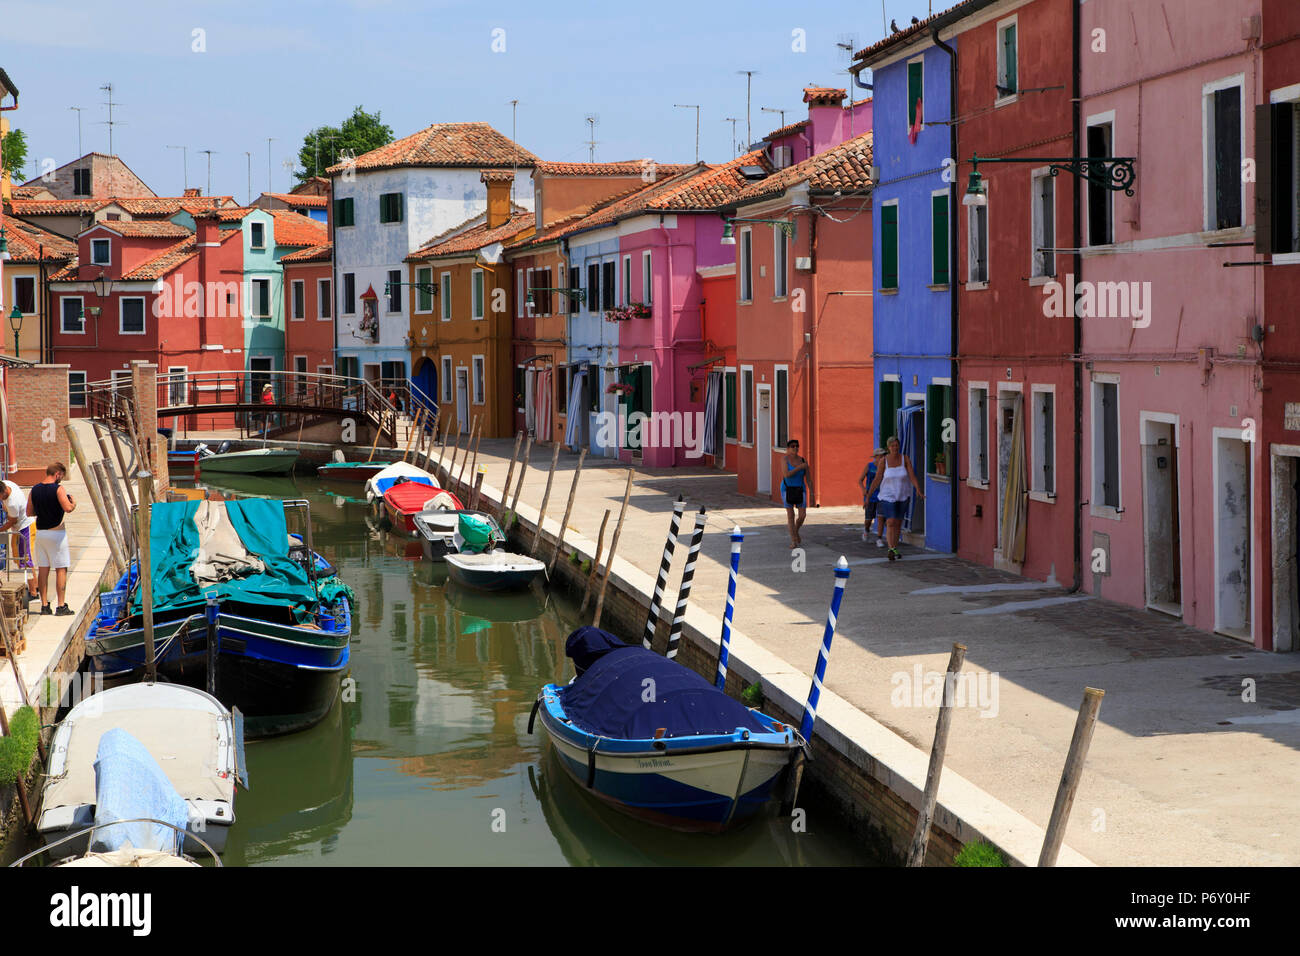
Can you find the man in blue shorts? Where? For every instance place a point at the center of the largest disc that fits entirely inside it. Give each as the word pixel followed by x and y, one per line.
pixel 794 488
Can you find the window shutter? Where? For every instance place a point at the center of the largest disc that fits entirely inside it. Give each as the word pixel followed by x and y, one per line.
pixel 914 91
pixel 1264 242
pixel 889 247
pixel 1009 53
pixel 939 251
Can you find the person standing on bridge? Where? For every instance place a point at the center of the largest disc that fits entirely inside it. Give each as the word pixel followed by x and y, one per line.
pixel 14 501
pixel 48 503
pixel 268 401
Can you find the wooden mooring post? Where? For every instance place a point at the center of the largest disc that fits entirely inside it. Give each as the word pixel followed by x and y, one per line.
pixel 1084 725
pixel 595 563
pixel 568 510
pixel 925 816
pixel 613 550
pixel 474 428
pixel 145 492
pixel 510 472
pixel 546 499
pixel 96 499
pixel 523 469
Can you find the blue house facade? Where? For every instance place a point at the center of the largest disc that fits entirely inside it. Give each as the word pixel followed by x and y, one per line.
pixel 913 323
pixel 593 342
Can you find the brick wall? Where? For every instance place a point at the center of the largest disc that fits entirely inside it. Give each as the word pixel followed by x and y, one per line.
pixel 38 410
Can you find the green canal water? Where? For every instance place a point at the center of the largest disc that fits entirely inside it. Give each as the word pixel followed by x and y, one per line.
pixel 432 763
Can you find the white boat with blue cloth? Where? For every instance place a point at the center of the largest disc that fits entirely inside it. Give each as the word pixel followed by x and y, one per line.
pixel 657 741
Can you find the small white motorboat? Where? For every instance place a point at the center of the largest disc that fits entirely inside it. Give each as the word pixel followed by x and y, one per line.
pixel 493 570
pixel 396 473
pixel 193 739
pixel 437 530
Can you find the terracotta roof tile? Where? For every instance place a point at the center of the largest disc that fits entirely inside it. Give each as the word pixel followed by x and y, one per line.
pixel 169 259
pixel 496 176
pixel 902 36
pixel 54 207
pixel 321 253
pixel 305 200
pixel 845 167
pixel 168 205
pixel 475 237
pixel 631 167
pixel 144 228
pixel 823 94
pixel 445 144
pixel 786 130
pixel 292 229
pixel 27 243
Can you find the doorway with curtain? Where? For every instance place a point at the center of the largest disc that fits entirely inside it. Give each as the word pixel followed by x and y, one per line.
pixel 909 426
pixel 1013 488
pixel 577 423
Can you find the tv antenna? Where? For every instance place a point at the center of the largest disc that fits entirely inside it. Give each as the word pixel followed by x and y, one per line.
pixel 749 83
pixel 209 153
pixel 108 87
pixel 686 106
pixel 772 109
pixel 592 119
pixel 185 164
pixel 845 44
pixel 733 121
pixel 78 109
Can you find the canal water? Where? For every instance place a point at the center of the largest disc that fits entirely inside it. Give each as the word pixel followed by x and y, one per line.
pixel 431 763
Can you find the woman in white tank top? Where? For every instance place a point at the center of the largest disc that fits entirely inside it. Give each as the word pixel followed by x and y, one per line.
pixel 895 482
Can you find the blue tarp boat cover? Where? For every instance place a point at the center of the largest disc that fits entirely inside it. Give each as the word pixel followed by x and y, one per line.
pixel 383 484
pixel 627 692
pixel 129 785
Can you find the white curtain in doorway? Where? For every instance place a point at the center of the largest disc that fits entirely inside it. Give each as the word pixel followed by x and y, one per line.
pixel 530 407
pixel 543 404
pixel 906 430
pixel 1015 500
pixel 576 408
pixel 712 393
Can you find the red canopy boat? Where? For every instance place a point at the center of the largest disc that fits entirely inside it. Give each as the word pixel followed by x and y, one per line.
pixel 404 501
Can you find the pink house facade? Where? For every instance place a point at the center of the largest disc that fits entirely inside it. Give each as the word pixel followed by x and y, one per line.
pixel 1172 478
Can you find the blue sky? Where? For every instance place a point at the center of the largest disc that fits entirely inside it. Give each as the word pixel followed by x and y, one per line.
pixel 279 69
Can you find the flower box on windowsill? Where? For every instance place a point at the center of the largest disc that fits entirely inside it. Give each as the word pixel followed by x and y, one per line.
pixel 636 310
pixel 618 388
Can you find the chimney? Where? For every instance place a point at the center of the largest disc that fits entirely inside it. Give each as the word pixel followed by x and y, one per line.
pixel 825 116
pixel 498 183
pixel 192 192
pixel 207 229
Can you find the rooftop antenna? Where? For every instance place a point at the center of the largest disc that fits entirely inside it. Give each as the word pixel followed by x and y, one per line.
pixel 209 152
pixel 884 20
pixel 269 141
pixel 250 176
pixel 592 120
pixel 749 82
pixel 109 88
pixel 185 164
pixel 846 44
pixel 733 121
pixel 78 109
pixel 685 106
pixel 514 148
pixel 772 109
pixel 288 165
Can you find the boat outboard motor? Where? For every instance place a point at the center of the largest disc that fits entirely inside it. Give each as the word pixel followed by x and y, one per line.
pixel 586 645
pixel 223 447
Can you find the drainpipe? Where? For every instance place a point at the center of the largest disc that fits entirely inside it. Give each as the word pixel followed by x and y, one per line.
pixel 814 398
pixel 953 366
pixel 1076 110
pixel 659 350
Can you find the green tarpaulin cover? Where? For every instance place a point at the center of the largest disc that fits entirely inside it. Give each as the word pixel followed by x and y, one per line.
pixel 478 534
pixel 260 524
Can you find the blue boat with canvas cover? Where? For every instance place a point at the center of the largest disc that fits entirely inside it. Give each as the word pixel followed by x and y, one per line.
pixel 241 609
pixel 657 741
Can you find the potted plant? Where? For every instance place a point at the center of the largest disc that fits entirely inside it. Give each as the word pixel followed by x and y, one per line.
pixel 940 464
pixel 618 388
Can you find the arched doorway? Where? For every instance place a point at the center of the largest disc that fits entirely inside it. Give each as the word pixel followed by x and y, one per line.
pixel 424 379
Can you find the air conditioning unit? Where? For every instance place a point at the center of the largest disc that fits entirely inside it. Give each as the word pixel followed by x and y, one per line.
pixel 782 156
pixel 803 263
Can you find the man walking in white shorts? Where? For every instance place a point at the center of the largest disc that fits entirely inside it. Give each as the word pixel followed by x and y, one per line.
pixel 48 503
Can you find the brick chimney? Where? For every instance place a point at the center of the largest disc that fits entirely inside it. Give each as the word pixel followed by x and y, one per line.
pixel 499 182
pixel 192 192
pixel 207 229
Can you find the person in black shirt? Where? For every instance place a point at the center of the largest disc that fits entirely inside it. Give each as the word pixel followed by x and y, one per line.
pixel 48 503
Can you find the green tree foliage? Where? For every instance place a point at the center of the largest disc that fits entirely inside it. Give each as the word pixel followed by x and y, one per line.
pixel 14 147
pixel 326 145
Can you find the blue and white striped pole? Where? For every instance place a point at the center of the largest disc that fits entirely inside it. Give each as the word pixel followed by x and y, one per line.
pixel 661 582
pixel 684 594
pixel 815 691
pixel 736 538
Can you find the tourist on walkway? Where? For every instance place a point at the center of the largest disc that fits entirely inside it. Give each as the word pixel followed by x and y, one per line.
pixel 14 501
pixel 48 503
pixel 793 488
pixel 893 481
pixel 268 402
pixel 871 500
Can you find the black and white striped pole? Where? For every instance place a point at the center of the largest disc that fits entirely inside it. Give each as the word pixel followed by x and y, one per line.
pixel 684 593
pixel 661 582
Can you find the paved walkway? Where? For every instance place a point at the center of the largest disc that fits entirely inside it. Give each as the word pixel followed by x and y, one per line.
pixel 1182 771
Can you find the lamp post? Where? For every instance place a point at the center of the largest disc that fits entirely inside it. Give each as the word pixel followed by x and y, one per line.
pixel 16 323
pixel 790 228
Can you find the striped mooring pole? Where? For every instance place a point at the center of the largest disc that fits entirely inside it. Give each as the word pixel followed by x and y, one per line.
pixel 815 691
pixel 737 537
pixel 684 593
pixel 657 599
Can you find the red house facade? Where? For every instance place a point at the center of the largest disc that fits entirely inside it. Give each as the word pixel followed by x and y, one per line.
pixel 309 312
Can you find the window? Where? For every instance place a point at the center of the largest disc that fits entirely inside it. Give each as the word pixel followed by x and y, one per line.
pixel 729 397
pixel 889 245
pixel 609 284
pixel 480 386
pixel 939 428
pixel 561 377
pixel 300 379
pixel 81 187
pixel 539 296
pixel 1223 179
pixel 593 287
pixel 343 213
pixel 476 301
pixel 131 315
pixel 298 289
pixel 521 385
pixel 323 298
pixel 746 405
pixel 1105 448
pixel 1044 208
pixel 390 207
pixel 394 289
pixel 25 294
pixel 262 298
pixel 444 293
pixel 1100 210
pixel 979 243
pixel 1007 65
pixel 100 252
pixel 446 378
pixel 939 235
pixel 647 278
pixel 1043 453
pixel 780 261
pixel 324 370
pixel 257 235
pixel 746 266
pixel 979 435
pixel 73 320
pixel 915 83
pixel 891 400
pixel 424 290
pixel 349 293
pixel 627 280
pixel 77 389
pixel 177 384
pixel 575 282
pixel 392 375
pixel 781 432
pixel 348 365
pixel 1277 152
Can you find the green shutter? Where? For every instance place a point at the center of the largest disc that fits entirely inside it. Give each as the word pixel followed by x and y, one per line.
pixel 889 247
pixel 729 396
pixel 1009 56
pixel 914 91
pixel 891 399
pixel 939 239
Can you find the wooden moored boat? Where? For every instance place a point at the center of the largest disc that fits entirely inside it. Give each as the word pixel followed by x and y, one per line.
pixel 689 758
pixel 252 461
pixel 493 570
pixel 397 473
pixel 437 527
pixel 352 471
pixel 406 499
